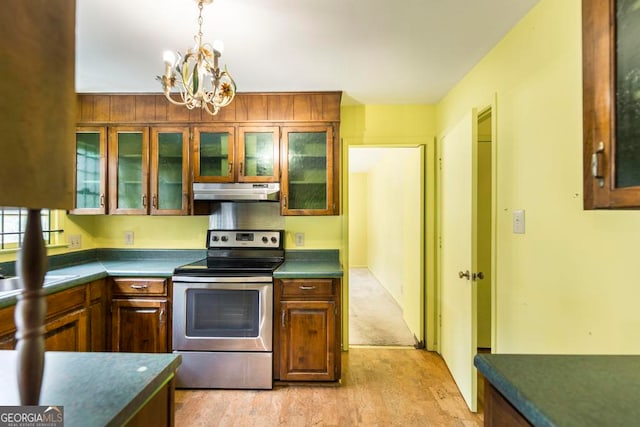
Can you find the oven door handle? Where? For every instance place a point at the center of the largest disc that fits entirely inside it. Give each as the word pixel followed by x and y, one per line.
pixel 219 279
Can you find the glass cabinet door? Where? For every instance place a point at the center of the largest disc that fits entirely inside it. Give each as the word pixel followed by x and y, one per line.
pixel 611 86
pixel 169 171
pixel 259 154
pixel 91 171
pixel 128 170
pixel 307 179
pixel 214 156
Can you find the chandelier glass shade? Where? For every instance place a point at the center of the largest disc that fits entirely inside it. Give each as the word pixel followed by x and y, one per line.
pixel 195 79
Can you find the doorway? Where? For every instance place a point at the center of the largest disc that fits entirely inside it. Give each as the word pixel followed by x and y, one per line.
pixel 386 229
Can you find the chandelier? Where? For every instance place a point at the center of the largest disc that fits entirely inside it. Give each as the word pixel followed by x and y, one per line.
pixel 196 75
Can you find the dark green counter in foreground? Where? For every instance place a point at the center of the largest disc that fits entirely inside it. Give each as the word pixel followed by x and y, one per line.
pixel 100 389
pixel 565 390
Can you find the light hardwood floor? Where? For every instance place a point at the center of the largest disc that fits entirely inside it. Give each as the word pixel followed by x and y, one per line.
pixel 381 386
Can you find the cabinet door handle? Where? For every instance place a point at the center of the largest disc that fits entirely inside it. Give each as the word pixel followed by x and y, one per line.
pixel 162 315
pixel 154 201
pixel 284 200
pixel 241 169
pixel 230 168
pixel 597 164
pixel 144 201
pixel 284 318
pixel 306 288
pixel 139 286
pixel 102 200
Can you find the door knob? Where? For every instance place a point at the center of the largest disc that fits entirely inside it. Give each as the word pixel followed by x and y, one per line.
pixel 465 274
pixel 478 276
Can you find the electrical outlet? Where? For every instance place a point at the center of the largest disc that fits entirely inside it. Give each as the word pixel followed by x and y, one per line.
pixel 128 237
pixel 299 237
pixel 75 241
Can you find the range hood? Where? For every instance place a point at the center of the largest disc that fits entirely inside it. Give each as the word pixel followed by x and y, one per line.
pixel 237 191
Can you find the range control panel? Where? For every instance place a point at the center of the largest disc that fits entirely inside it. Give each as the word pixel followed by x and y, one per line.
pixel 244 239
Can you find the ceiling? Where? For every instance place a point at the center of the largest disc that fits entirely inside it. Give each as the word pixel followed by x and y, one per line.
pixel 375 51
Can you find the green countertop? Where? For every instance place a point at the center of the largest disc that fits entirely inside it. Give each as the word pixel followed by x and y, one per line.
pixel 96 389
pixel 568 390
pixel 85 266
pixel 310 264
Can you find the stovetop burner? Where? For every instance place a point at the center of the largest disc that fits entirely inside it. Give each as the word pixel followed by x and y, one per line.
pixel 238 253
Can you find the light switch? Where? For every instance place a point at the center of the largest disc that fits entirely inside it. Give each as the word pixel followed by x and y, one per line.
pixel 518 221
pixel 299 238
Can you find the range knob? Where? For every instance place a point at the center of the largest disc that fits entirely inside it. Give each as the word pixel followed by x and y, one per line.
pixel 264 239
pixel 274 240
pixel 215 238
pixel 224 238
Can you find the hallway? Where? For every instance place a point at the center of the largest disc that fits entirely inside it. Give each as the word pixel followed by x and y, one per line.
pixel 374 316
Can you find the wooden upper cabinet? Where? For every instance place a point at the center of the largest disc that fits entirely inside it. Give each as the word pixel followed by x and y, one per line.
pixel 144 154
pixel 251 156
pixel 611 81
pixel 148 170
pixel 129 170
pixel 91 170
pixel 213 153
pixel 169 174
pixel 309 171
pixel 258 154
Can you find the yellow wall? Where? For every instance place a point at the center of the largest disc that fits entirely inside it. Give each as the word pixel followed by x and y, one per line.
pixel 358 220
pixel 568 284
pixel 150 232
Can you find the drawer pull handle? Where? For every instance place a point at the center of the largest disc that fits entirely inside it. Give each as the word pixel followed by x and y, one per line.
pixel 139 286
pixel 307 288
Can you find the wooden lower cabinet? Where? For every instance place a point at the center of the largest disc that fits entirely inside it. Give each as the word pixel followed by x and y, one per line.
pixel 307 344
pixel 7 328
pixel 140 315
pixel 66 323
pixel 139 326
pixel 498 412
pixel 97 297
pixel 159 411
pixel 67 332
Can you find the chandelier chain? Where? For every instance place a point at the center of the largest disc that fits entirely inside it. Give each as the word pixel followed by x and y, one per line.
pixel 200 21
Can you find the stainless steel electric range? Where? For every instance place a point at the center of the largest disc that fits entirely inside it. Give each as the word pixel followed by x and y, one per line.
pixel 223 311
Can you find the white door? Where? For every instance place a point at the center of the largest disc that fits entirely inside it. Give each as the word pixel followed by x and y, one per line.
pixel 458 210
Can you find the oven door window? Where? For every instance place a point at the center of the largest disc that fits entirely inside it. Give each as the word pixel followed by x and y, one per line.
pixel 223 313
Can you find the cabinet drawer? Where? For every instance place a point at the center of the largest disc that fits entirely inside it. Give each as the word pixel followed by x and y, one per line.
pixel 139 287
pixel 305 288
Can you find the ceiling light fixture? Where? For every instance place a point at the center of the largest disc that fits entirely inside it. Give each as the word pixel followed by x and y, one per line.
pixel 196 76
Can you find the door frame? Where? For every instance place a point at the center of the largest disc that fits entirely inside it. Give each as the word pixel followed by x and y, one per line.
pixel 427 246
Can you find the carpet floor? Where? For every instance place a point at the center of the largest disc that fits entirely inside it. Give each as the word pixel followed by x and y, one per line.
pixel 374 316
